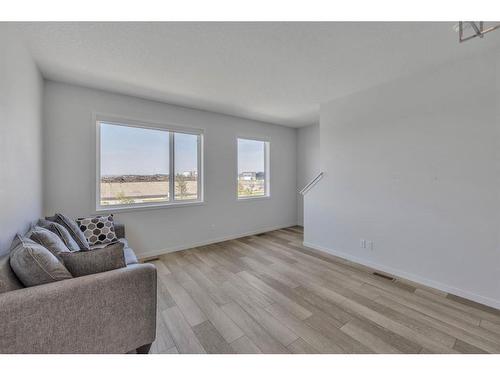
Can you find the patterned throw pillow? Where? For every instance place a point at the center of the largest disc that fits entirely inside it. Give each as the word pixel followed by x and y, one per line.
pixel 98 230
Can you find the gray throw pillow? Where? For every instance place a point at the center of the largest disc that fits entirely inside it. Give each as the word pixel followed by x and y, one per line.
pixel 83 263
pixel 8 280
pixel 72 228
pixel 34 265
pixel 49 240
pixel 61 232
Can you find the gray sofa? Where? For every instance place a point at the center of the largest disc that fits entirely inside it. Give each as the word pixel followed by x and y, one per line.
pixel 109 312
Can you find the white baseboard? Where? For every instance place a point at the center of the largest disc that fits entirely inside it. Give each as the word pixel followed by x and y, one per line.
pixel 415 278
pixel 186 246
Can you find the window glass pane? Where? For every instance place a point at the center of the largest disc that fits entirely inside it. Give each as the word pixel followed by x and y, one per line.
pixel 186 166
pixel 134 165
pixel 251 168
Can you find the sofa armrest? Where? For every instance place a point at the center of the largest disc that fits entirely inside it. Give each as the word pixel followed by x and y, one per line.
pixel 119 230
pixel 109 312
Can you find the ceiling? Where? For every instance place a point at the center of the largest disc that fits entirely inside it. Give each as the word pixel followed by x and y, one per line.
pixel 275 72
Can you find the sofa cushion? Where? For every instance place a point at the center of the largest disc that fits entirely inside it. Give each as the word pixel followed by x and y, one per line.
pixel 130 257
pixel 61 232
pixel 124 241
pixel 72 228
pixel 98 230
pixel 119 230
pixel 34 265
pixel 8 279
pixel 49 240
pixel 83 263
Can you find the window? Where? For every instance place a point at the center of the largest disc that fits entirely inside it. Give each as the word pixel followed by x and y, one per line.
pixel 253 168
pixel 140 166
pixel 186 166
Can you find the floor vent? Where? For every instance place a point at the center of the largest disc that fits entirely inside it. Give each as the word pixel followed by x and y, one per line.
pixel 261 234
pixel 384 276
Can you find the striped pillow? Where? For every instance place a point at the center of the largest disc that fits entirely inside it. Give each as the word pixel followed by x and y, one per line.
pixel 72 228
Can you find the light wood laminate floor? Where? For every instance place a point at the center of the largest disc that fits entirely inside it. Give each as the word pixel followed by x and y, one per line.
pixel 269 294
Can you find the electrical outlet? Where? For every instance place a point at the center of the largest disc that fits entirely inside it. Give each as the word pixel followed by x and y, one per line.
pixel 369 245
pixel 362 244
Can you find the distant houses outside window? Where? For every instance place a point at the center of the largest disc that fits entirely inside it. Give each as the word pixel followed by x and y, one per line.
pixel 146 166
pixel 248 176
pixel 253 168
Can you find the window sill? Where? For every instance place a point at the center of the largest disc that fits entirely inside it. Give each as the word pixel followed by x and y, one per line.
pixel 250 199
pixel 112 209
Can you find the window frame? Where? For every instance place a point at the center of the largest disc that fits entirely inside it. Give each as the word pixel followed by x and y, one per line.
pixel 171 129
pixel 267 168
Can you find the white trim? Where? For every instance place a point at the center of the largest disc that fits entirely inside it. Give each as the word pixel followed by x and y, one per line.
pixel 129 121
pixel 171 167
pixel 98 119
pixel 97 164
pixel 267 172
pixel 201 161
pixel 155 253
pixel 119 208
pixel 253 198
pixel 415 278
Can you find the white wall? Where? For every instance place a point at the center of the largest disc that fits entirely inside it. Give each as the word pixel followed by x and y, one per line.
pixel 20 138
pixel 413 165
pixel 308 162
pixel 70 170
